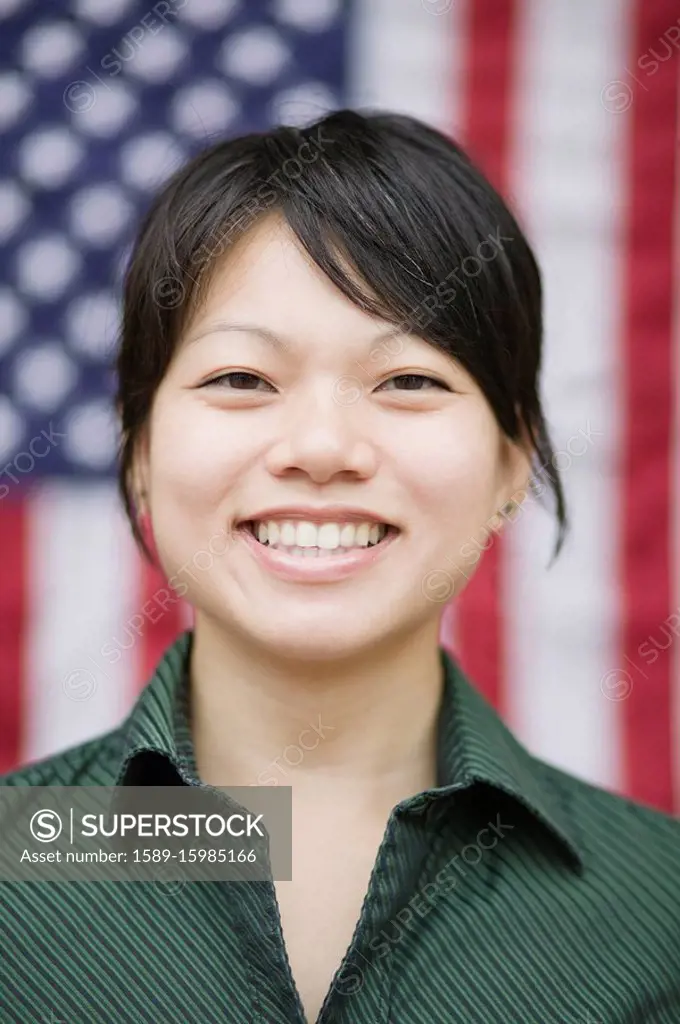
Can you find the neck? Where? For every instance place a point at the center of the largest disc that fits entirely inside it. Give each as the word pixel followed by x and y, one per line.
pixel 364 727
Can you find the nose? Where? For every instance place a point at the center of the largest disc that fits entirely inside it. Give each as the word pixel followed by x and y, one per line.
pixel 323 438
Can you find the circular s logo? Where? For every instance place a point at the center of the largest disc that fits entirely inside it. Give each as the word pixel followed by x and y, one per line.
pixel 46 826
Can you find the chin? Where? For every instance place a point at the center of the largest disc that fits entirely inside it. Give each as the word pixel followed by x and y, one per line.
pixel 290 639
pixel 315 643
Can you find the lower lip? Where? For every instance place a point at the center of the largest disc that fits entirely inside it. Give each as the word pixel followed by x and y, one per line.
pixel 319 569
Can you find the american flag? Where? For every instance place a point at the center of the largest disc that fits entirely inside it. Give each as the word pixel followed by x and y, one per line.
pixel 571 108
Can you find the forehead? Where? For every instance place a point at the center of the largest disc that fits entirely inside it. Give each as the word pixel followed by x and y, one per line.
pixel 268 281
pixel 268 274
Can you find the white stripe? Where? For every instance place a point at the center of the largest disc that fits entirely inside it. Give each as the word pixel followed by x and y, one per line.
pixel 406 58
pixel 81 582
pixel 568 166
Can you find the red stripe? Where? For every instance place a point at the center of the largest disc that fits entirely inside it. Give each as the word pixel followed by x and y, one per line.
pixel 13 629
pixel 486 120
pixel 489 87
pixel 647 364
pixel 163 619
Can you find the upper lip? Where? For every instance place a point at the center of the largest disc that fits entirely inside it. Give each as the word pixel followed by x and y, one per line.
pixel 322 513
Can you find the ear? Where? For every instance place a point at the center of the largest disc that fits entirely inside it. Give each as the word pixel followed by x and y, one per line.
pixel 139 471
pixel 516 470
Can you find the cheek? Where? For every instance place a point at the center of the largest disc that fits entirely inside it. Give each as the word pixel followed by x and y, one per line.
pixel 192 469
pixel 194 458
pixel 450 475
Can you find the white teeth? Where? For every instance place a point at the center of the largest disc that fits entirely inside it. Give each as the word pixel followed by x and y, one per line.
pixel 347 535
pixel 287 535
pixel 307 537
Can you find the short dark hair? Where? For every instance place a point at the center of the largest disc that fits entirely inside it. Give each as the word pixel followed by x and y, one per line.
pixel 431 245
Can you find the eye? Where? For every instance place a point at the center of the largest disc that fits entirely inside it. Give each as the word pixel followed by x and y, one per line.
pixel 242 381
pixel 412 380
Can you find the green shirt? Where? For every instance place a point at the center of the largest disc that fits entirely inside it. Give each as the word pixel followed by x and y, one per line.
pixel 511 892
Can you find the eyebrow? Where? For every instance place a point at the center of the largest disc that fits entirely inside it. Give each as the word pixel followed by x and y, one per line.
pixel 278 341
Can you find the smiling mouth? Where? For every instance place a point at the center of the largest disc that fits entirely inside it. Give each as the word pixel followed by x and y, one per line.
pixel 384 532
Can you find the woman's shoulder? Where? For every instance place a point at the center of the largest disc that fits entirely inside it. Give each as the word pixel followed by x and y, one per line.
pixel 92 763
pixel 616 831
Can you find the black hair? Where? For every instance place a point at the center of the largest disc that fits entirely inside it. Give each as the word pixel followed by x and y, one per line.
pixel 395 214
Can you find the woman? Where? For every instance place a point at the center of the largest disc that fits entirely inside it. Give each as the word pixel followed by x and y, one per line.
pixel 329 379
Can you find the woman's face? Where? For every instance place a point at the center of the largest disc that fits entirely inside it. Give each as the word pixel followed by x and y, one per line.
pixel 324 416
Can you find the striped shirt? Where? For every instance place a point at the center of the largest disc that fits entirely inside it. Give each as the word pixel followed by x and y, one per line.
pixel 511 892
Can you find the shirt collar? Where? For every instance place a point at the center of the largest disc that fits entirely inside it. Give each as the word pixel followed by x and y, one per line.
pixel 159 720
pixel 474 744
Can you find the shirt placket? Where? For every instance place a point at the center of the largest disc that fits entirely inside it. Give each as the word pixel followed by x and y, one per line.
pixel 360 988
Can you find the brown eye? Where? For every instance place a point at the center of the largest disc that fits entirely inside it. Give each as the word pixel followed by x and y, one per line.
pixel 242 381
pixel 413 379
